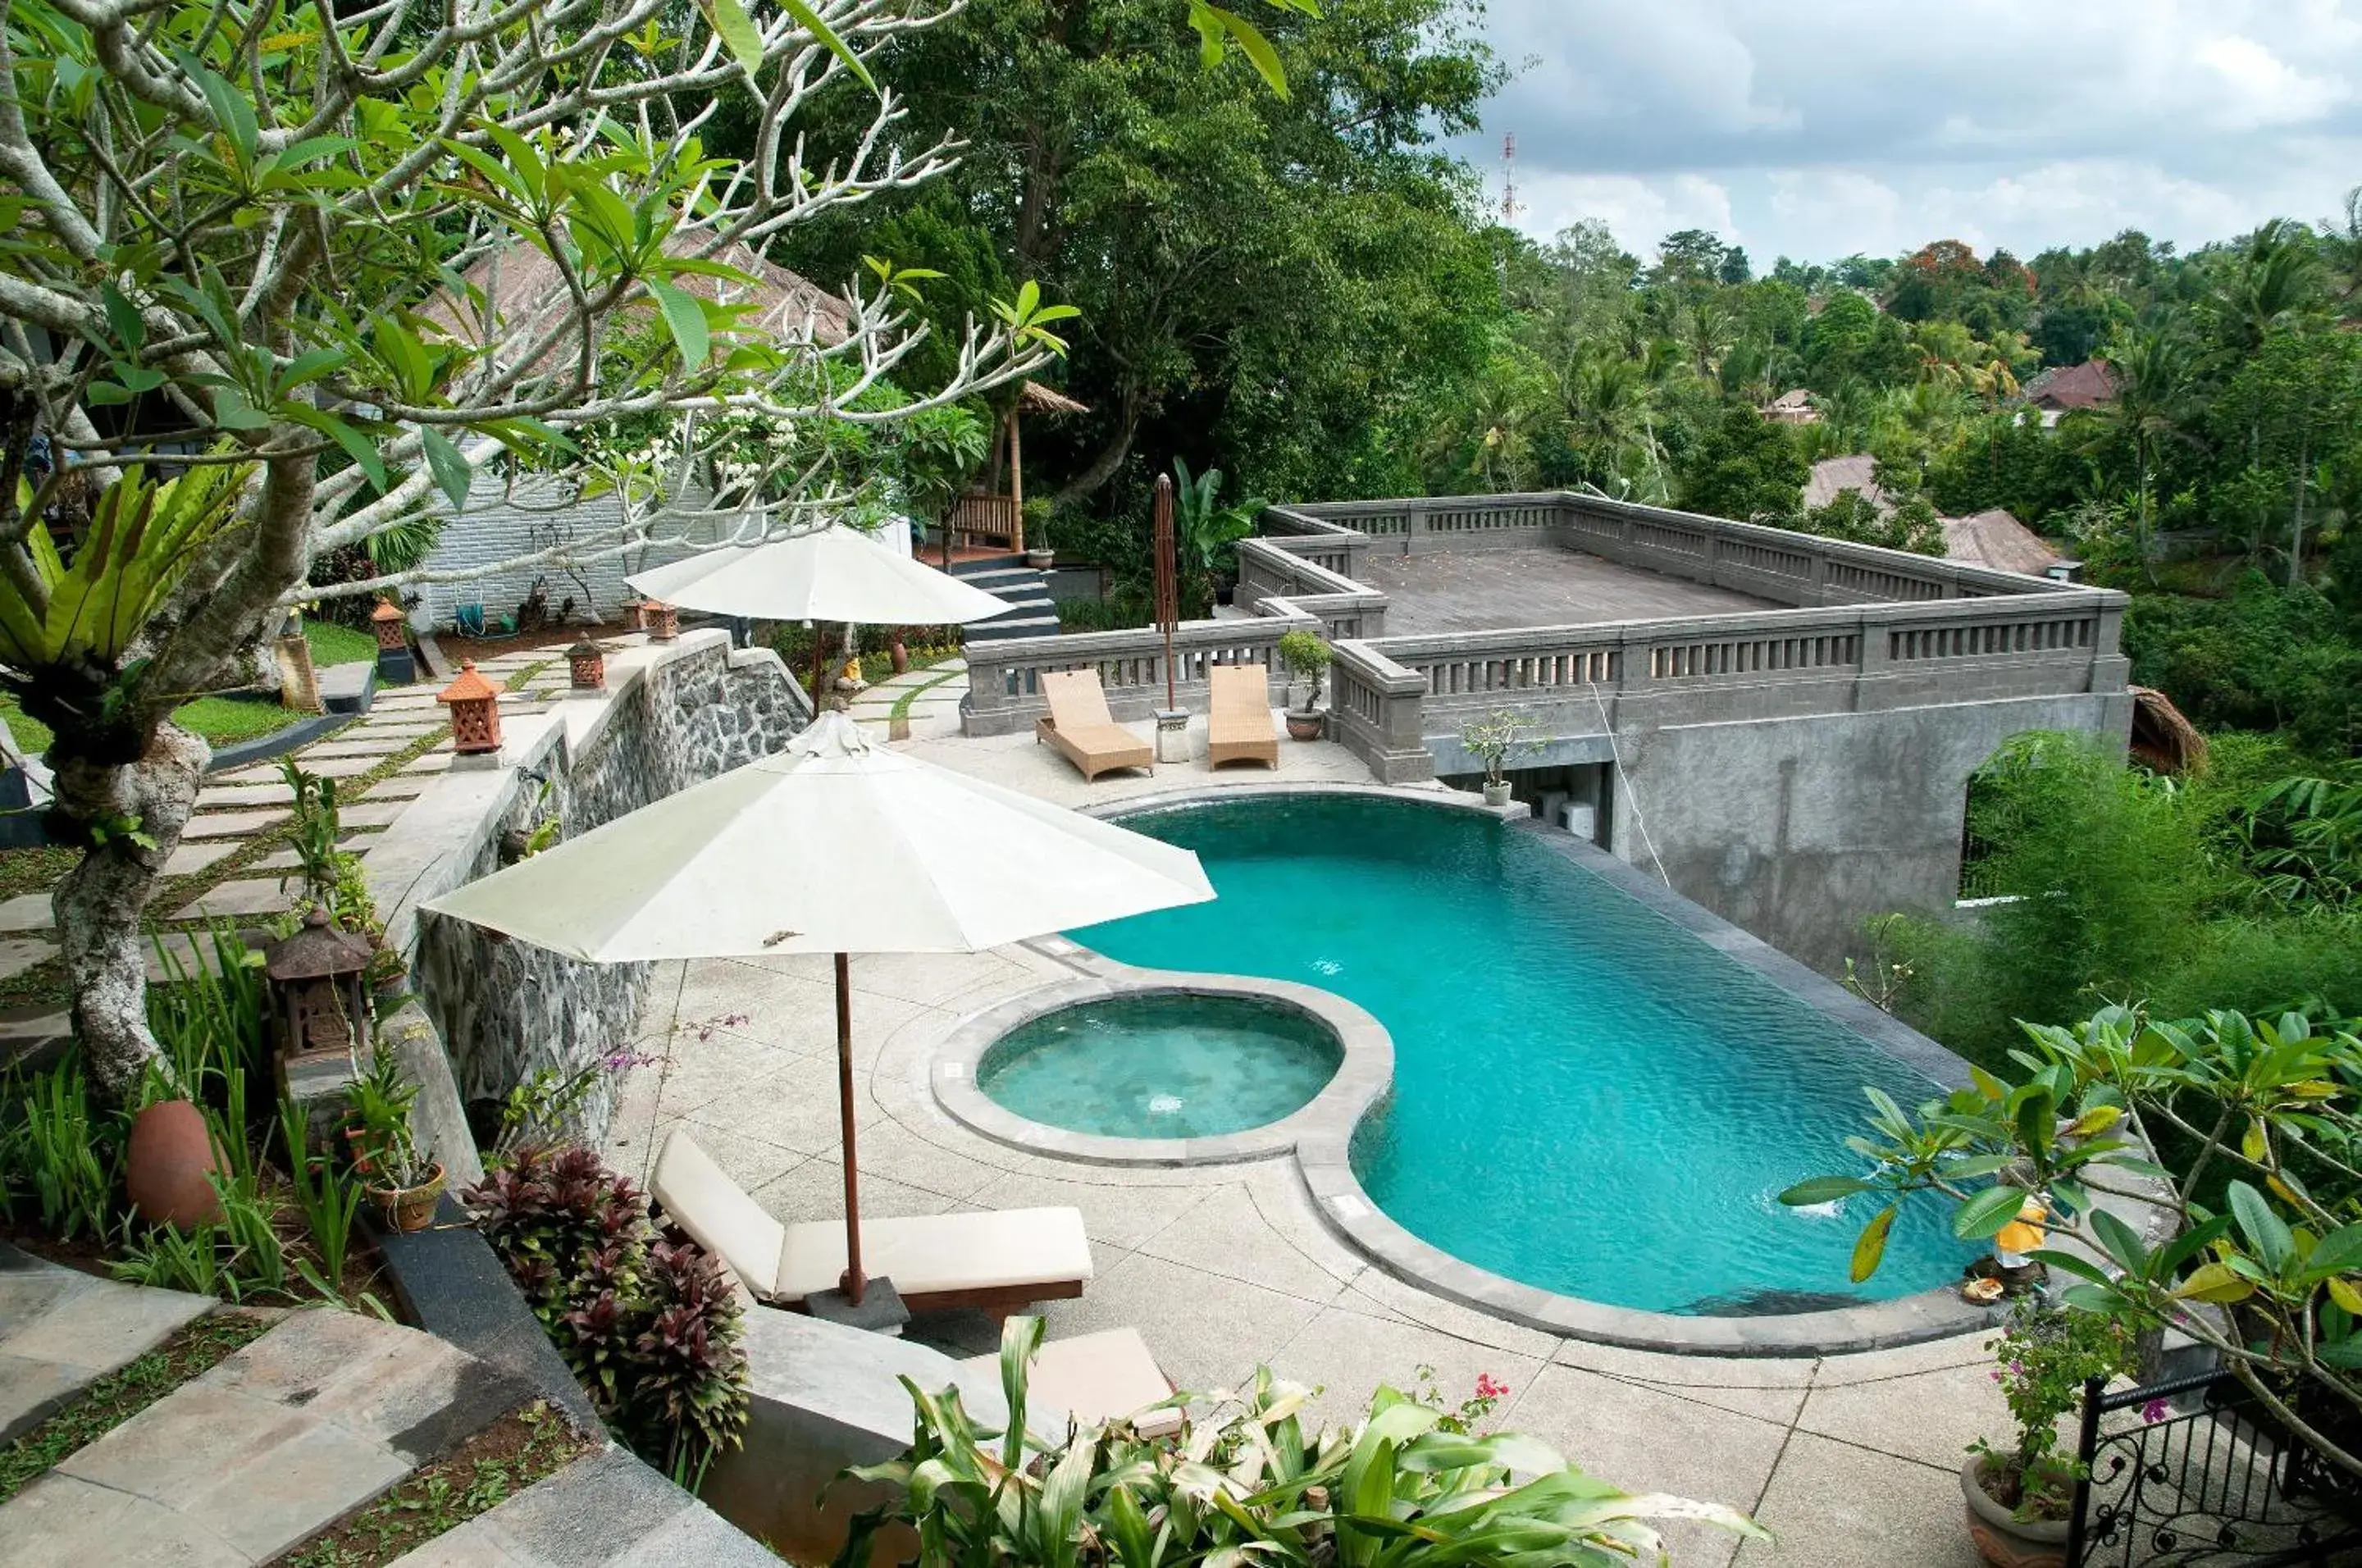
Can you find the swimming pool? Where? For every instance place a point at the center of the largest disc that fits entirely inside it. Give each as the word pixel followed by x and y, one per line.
pixel 1588 1099
pixel 1161 1065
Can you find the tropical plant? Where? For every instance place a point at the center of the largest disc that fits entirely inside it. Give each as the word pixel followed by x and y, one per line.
pixel 54 1152
pixel 1495 738
pixel 1249 1484
pixel 1207 532
pixel 1307 655
pixel 2303 834
pixel 2259 1202
pixel 2042 1363
pixel 650 1329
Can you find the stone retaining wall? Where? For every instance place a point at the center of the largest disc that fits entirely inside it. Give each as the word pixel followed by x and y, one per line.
pixel 674 716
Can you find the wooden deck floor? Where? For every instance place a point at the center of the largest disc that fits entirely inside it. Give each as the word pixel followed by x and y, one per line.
pixel 1476 591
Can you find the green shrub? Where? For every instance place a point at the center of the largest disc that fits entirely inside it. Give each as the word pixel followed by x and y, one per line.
pixel 2265 658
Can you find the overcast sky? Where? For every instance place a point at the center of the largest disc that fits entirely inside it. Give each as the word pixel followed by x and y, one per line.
pixel 1820 128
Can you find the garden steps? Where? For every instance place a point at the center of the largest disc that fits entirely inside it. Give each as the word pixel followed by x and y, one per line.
pixel 313 1419
pixel 1032 613
pixel 604 1508
pixel 61 1329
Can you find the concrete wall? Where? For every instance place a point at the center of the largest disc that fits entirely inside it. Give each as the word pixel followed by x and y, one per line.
pixel 493 529
pixel 1802 829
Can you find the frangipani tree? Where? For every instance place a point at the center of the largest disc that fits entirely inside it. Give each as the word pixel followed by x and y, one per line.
pixel 2249 1237
pixel 252 299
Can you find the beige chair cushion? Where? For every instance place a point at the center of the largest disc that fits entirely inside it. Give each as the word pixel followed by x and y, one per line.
pixel 1097 1377
pixel 935 1253
pixel 717 1213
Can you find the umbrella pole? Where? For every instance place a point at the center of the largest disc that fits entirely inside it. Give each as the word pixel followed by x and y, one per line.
pixel 855 1282
pixel 820 666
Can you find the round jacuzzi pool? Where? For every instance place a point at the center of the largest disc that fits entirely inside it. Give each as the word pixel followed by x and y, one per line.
pixel 1161 1065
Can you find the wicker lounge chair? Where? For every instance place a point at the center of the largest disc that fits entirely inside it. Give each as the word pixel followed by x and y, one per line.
pixel 1096 1378
pixel 998 1262
pixel 1238 721
pixel 1079 726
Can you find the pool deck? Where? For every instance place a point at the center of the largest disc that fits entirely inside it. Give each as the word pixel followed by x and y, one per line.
pixel 1850 1461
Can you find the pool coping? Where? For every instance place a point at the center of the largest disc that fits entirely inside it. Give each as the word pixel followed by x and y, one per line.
pixel 1365 1069
pixel 1324 1129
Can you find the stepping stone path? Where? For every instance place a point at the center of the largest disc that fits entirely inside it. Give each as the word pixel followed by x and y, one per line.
pixel 320 1416
pixel 930 698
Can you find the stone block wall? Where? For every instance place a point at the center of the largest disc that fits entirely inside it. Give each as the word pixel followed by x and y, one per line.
pixel 503 1010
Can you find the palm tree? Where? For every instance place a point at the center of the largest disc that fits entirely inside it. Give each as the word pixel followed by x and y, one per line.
pixel 2154 369
pixel 2273 280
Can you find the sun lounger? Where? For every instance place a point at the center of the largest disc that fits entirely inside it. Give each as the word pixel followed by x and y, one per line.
pixel 1079 726
pixel 1096 1378
pixel 1238 722
pixel 997 1262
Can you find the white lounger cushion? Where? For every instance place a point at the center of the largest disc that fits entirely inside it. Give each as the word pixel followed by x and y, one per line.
pixel 1097 1377
pixel 932 1254
pixel 923 1256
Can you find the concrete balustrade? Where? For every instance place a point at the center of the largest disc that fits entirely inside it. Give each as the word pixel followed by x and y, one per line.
pixel 1004 677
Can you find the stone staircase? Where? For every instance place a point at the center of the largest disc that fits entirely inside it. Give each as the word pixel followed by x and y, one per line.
pixel 1027 592
pixel 318 1416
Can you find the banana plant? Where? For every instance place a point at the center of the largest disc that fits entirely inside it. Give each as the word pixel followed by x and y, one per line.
pixel 1407 1486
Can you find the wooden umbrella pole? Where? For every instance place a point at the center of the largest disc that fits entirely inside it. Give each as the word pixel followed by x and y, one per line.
pixel 1168 583
pixel 854 1282
pixel 820 666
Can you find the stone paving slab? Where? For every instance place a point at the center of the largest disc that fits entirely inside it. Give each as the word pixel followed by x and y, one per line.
pixel 18 954
pixel 604 1508
pixel 239 898
pixel 373 746
pixel 321 761
pixel 33 1033
pixel 433 762
pixel 188 857
pixel 255 794
pixel 372 813
pixel 310 1420
pixel 27 911
pixel 232 824
pixel 61 1329
pixel 190 952
pixel 401 785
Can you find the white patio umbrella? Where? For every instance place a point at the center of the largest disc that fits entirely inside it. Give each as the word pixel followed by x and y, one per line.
pixel 833 845
pixel 836 573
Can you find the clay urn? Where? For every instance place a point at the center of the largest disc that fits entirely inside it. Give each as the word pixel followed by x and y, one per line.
pixel 171 1155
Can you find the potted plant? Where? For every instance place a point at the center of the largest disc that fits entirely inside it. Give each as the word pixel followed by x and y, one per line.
pixel 2020 1498
pixel 396 1173
pixel 1493 741
pixel 1307 657
pixel 1038 553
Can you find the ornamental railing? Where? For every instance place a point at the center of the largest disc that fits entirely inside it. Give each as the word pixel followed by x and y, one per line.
pixel 2193 1473
pixel 1004 677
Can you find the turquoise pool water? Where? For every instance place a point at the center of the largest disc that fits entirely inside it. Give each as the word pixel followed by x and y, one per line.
pixel 1161 1065
pixel 1587 1099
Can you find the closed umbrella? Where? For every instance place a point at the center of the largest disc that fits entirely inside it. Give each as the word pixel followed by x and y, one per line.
pixel 834 573
pixel 833 845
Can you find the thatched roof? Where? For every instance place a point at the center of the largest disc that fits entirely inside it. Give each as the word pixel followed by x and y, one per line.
pixel 1796 397
pixel 2162 737
pixel 1994 538
pixel 1033 397
pixel 522 289
pixel 1857 472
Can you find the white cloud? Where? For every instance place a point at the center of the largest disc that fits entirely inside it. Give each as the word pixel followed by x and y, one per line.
pixel 1819 128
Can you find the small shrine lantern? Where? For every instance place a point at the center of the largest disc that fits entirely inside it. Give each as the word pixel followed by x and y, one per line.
pixel 635 613
pixel 475 705
pixel 315 981
pixel 388 621
pixel 585 661
pixel 663 621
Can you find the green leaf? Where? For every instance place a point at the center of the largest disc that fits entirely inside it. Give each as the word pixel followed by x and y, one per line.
pixel 450 466
pixel 2340 1251
pixel 1870 1250
pixel 1255 47
pixel 1981 1217
pixel 1822 1189
pixel 2265 1230
pixel 809 20
pixel 686 320
pixel 123 317
pixel 2120 1240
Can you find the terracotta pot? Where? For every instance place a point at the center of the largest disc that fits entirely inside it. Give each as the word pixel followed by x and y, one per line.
pixel 1305 726
pixel 409 1207
pixel 899 654
pixel 2005 1542
pixel 171 1155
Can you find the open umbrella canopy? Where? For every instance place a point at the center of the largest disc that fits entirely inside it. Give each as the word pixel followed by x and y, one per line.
pixel 832 846
pixel 834 573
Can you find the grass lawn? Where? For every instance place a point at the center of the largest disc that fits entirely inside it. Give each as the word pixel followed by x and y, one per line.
pixel 332 644
pixel 220 720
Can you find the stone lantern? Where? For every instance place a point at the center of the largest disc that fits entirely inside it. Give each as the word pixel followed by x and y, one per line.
pixel 393 661
pixel 475 705
pixel 585 661
pixel 316 988
pixel 663 621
